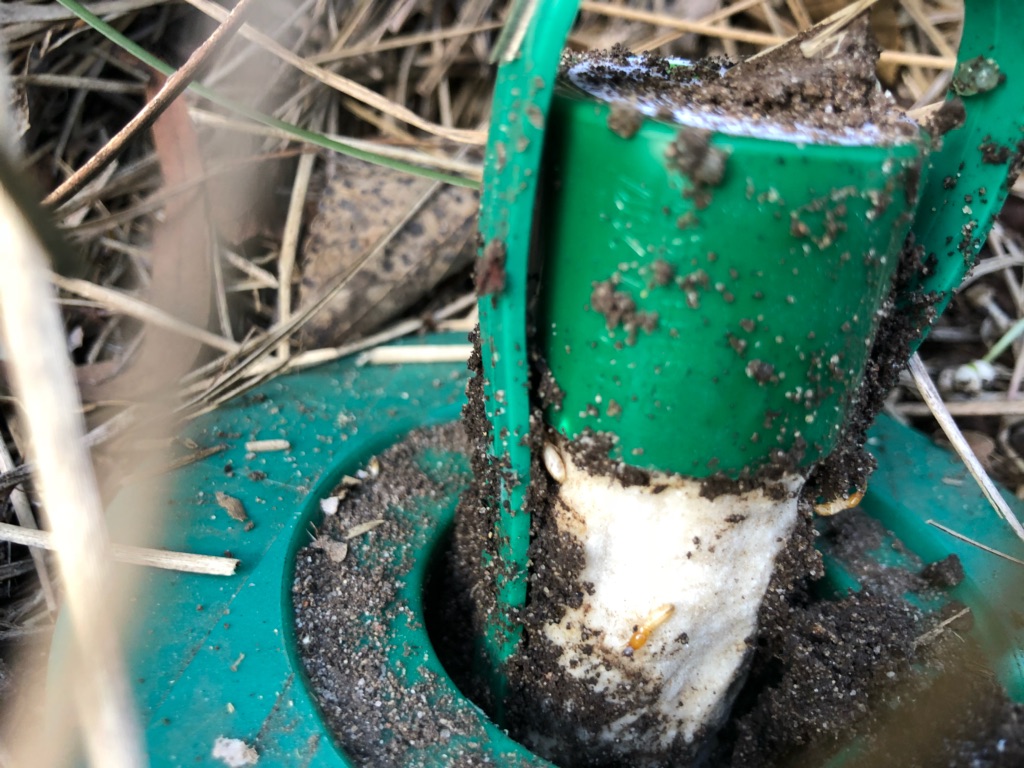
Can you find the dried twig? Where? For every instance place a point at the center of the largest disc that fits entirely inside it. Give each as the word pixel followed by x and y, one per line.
pixel 211 565
pixel 258 349
pixel 174 87
pixel 290 245
pixel 833 25
pixel 937 630
pixel 470 170
pixel 416 353
pixel 994 406
pixel 129 305
pixel 942 416
pixel 749 35
pixel 974 543
pixel 15 477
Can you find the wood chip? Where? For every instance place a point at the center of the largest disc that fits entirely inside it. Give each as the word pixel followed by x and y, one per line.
pixel 359 530
pixel 337 551
pixel 235 509
pixel 415 354
pixel 267 446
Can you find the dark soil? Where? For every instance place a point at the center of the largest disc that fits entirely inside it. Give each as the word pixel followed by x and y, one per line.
pixel 341 608
pixel 823 671
pixel 831 92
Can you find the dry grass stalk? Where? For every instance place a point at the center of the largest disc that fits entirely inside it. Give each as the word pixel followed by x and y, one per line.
pixel 832 26
pixel 942 416
pixel 974 543
pixel 290 246
pixel 345 85
pixel 26 519
pixel 754 37
pixel 43 378
pixel 715 18
pixel 998 405
pixel 117 301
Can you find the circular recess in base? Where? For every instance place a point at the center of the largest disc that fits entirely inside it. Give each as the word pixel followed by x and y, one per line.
pixel 215 657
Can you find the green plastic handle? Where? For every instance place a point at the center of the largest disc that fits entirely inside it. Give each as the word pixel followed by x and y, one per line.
pixel 968 179
pixel 522 98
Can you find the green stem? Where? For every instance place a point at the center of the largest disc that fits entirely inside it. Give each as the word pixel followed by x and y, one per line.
pixel 1011 335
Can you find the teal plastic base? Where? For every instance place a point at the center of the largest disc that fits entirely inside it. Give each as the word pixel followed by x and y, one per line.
pixel 216 656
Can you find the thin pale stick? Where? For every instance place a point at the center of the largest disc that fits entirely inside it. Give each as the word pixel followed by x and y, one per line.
pixel 721 14
pixel 354 19
pixel 157 199
pixel 328 354
pixel 290 245
pixel 258 274
pixel 923 113
pixel 772 18
pixel 832 25
pixel 281 331
pixel 920 16
pixel 906 58
pixel 129 305
pixel 20 13
pixel 974 543
pixel 749 36
pixel 185 562
pixel 990 407
pixel 928 636
pixel 800 14
pixel 931 396
pixel 173 87
pixel 95 84
pixel 683 25
pixel 416 353
pixel 911 59
pixel 517 22
pixel 382 122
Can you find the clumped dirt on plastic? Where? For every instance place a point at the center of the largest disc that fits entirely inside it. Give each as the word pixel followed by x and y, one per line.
pixel 619 309
pixel 830 93
pixel 901 320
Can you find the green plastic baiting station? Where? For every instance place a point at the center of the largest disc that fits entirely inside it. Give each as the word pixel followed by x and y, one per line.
pixel 759 305
pixel 218 657
pixel 214 657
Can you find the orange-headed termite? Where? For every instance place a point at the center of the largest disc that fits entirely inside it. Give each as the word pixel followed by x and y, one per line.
pixel 841 504
pixel 642 632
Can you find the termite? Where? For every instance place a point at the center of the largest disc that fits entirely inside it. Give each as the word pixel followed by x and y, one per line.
pixel 641 632
pixel 841 504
